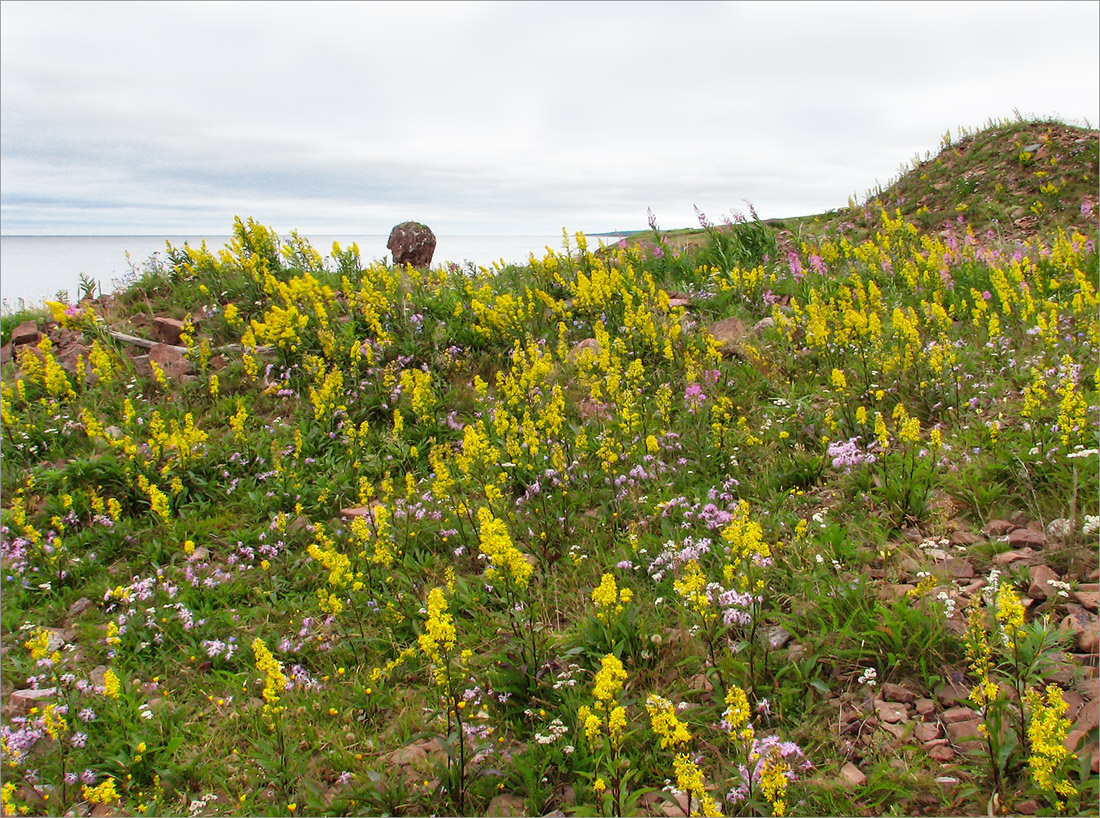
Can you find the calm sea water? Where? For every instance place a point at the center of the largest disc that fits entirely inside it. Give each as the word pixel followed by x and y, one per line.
pixel 34 268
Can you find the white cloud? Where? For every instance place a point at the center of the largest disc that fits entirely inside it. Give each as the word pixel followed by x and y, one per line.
pixel 500 117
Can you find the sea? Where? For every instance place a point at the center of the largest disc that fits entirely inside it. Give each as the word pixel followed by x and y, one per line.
pixel 34 269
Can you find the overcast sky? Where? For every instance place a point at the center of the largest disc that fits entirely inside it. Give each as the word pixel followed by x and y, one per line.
pixel 501 118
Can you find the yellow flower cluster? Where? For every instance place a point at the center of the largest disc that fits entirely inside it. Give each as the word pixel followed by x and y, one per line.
pixel 773 780
pixel 1046 731
pixel 737 715
pixel 608 685
pixel 104 793
pixel 336 563
pixel 158 500
pixel 979 656
pixel 275 680
pixel 505 559
pixel 39 646
pixel 111 684
pixel 689 779
pixel 691 585
pixel 1010 612
pixel 609 599
pixel 418 383
pixel 662 716
pixel 437 641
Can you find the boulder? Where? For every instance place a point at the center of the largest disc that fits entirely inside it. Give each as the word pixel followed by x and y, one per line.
pixel 1041 576
pixel 998 528
pixel 729 332
pixel 170 360
pixel 25 333
pixel 168 330
pixel 851 776
pixel 1024 537
pixel 411 243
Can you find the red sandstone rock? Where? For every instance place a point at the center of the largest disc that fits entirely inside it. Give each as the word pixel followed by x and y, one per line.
pixel 411 243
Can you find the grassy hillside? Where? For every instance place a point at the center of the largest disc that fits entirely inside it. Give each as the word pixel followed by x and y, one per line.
pixel 774 526
pixel 1008 182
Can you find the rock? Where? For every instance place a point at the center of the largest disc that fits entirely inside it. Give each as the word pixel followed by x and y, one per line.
pixel 411 243
pixel 1074 703
pixel 1062 673
pixel 926 732
pixel 1074 743
pixel 763 324
pixel 1040 576
pixel 700 682
pixel 5 353
pixel 997 528
pixel 98 675
pixel 925 707
pixel 22 701
pixel 892 593
pixel 79 607
pixel 74 360
pixel 25 333
pixel 299 524
pixel 1028 807
pixel 947 782
pixel 941 753
pixel 366 512
pixel 896 693
pixel 506 805
pixel 952 693
pixel 728 332
pixel 973 588
pixel 891 712
pixel 954 715
pixel 1088 716
pixel 1088 595
pixel 777 636
pixel 170 360
pixel 851 776
pixel 966 736
pixel 167 330
pixel 417 759
pixel 1022 537
pixel 676 303
pixel 1006 557
pixel 965 538
pixel 960 569
pixel 899 730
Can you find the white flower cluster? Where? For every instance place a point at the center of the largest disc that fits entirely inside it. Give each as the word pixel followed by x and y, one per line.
pixel 1063 588
pixel 869 677
pixel 554 731
pixel 949 604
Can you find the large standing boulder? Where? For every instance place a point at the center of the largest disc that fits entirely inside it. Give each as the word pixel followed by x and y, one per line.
pixel 412 243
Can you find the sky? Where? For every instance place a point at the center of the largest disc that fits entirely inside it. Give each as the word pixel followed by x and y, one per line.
pixel 499 118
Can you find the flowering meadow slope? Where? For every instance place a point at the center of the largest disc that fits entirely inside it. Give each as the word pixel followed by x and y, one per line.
pixel 561 538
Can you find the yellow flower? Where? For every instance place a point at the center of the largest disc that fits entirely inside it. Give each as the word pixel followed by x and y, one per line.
pixel 110 684
pixel 1046 731
pixel 105 793
pixel 275 680
pixel 1010 612
pixel 662 717
pixel 609 679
